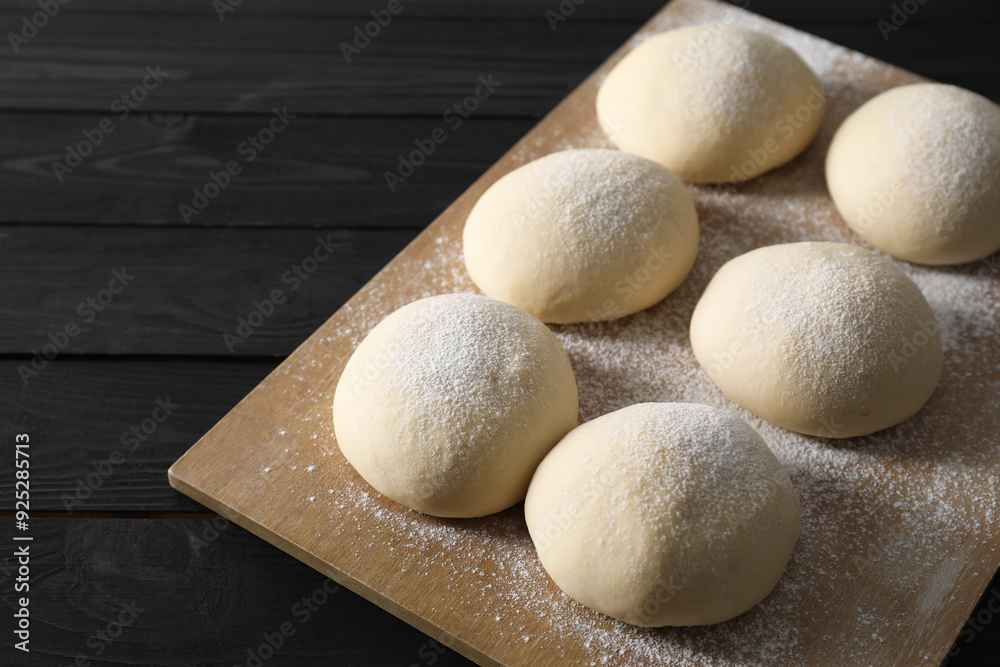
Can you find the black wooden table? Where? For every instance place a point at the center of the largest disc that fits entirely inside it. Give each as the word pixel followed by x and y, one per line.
pixel 164 167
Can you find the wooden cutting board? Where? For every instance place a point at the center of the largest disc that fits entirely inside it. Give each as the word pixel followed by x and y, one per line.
pixel 901 529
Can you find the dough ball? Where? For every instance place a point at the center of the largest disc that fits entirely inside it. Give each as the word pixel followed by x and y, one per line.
pixel 713 103
pixel 450 403
pixel 824 339
pixel 582 235
pixel 664 514
pixel 915 172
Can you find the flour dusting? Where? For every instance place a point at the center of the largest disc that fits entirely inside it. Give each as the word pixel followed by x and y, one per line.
pixel 905 512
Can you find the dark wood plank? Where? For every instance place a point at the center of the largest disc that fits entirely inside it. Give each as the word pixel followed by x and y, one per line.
pixel 209 592
pixel 595 9
pixel 207 597
pixel 201 602
pixel 180 291
pixel 96 443
pixel 866 12
pixel 322 172
pixel 251 63
pixel 787 11
pixel 419 63
pixel 962 54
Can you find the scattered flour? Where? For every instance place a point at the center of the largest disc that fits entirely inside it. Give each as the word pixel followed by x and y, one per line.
pixel 891 521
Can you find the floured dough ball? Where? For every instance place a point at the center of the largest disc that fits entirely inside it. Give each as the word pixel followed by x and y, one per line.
pixel 664 514
pixel 450 403
pixel 582 235
pixel 915 172
pixel 713 103
pixel 824 339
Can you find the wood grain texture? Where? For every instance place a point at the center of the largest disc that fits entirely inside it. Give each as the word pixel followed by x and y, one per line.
pixel 189 291
pixel 416 66
pixel 81 415
pixel 210 591
pixel 318 172
pixel 928 48
pixel 154 158
pixel 638 10
pixel 788 11
pixel 421 64
pixel 205 592
pixel 285 416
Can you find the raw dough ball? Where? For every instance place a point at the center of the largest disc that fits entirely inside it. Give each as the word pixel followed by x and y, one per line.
pixel 916 172
pixel 664 514
pixel 821 338
pixel 450 403
pixel 714 103
pixel 582 235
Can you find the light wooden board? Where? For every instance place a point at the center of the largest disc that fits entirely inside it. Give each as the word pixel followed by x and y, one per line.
pixel 902 532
